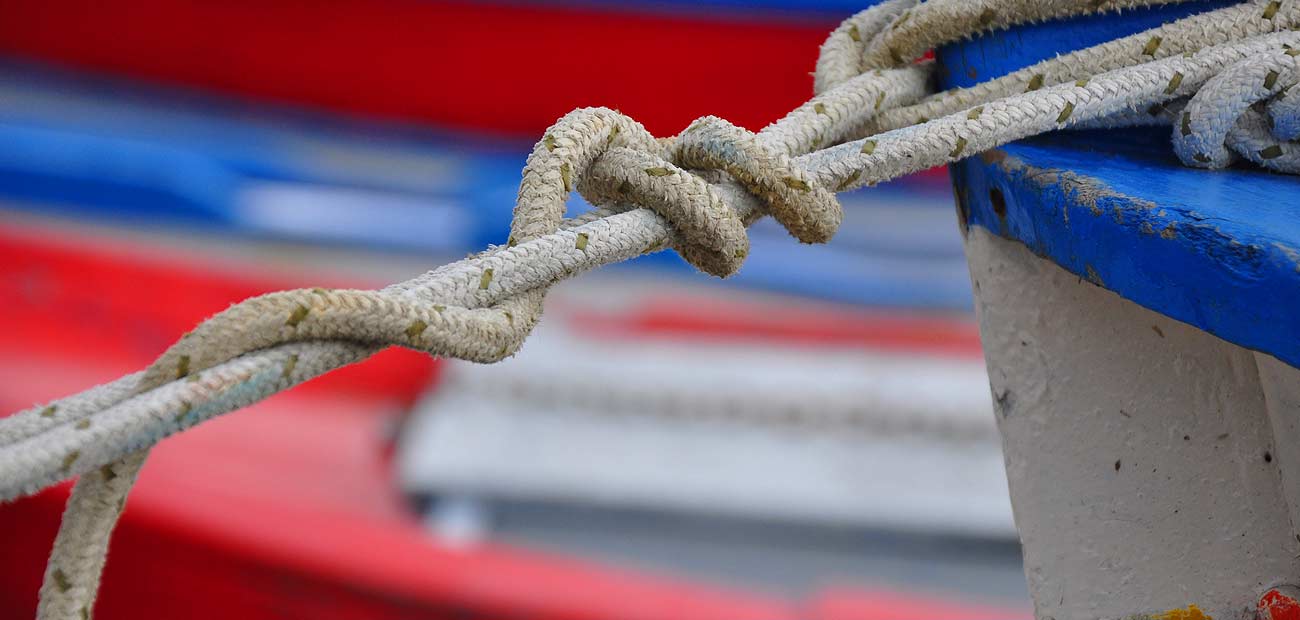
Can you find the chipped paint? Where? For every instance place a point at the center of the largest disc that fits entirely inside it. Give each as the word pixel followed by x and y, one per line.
pixel 1290 253
pixel 1137 448
pixel 1191 612
pixel 1211 249
pixel 1279 603
pixel 1204 248
pixel 1091 275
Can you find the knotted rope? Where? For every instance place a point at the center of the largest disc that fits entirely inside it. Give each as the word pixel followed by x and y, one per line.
pixel 1219 78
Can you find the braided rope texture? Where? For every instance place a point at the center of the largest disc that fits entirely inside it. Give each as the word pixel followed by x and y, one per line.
pixel 1221 80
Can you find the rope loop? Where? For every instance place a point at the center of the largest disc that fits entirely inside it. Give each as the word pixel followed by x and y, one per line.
pixel 1228 116
pixel 792 196
pixel 707 232
pixel 565 152
pixel 1224 79
pixel 612 161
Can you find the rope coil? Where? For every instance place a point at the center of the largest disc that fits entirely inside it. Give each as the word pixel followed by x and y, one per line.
pixel 1221 79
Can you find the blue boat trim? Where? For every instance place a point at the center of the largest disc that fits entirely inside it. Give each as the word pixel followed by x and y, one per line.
pixel 1219 250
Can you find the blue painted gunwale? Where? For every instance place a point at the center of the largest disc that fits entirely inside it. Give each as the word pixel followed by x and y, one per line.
pixel 1219 250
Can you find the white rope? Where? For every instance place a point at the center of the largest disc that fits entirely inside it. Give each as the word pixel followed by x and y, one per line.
pixel 1191 34
pixel 1217 109
pixel 696 192
pixel 1284 110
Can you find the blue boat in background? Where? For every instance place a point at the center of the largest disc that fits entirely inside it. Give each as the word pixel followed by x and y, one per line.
pixel 118 151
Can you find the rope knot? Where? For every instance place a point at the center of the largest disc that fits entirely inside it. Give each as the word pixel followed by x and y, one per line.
pixel 706 185
pixel 808 211
pixel 617 164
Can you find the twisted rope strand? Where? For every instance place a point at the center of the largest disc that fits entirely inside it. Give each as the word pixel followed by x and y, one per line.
pixel 935 23
pixel 877 159
pixel 1190 34
pixel 840 57
pixel 1218 107
pixel 696 192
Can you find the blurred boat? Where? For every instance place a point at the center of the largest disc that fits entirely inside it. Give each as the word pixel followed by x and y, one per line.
pixel 290 508
pixel 159 151
pixel 114 151
pixel 752 407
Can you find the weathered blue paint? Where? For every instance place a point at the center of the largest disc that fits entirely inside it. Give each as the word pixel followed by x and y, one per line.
pixel 1217 249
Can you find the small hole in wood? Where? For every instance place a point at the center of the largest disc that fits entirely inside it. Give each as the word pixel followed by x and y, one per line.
pixel 999 202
